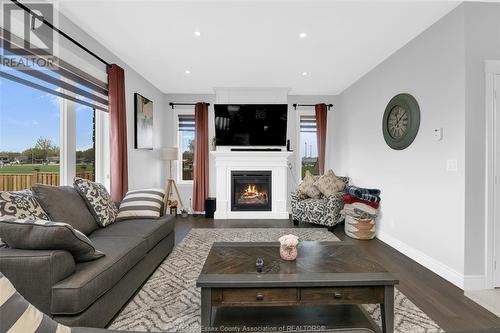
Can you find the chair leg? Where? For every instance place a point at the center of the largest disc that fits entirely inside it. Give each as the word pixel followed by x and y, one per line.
pixel 295 222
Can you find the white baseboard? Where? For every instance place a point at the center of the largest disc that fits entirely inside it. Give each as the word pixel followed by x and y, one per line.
pixel 423 259
pixel 475 282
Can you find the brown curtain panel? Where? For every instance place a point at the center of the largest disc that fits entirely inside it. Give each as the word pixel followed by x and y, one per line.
pixel 321 121
pixel 118 132
pixel 200 181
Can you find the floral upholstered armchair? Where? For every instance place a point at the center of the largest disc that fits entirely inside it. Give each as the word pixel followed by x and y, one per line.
pixel 323 210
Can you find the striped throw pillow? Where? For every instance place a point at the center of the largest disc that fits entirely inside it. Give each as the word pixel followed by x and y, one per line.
pixel 145 204
pixel 18 315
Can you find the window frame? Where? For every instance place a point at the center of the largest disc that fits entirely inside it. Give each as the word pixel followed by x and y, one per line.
pixel 178 168
pixel 299 155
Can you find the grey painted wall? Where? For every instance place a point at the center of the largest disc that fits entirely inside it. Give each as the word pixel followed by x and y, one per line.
pixel 482 42
pixel 422 203
pixel 432 215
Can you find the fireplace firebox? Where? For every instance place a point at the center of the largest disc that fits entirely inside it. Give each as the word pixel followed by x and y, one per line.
pixel 251 191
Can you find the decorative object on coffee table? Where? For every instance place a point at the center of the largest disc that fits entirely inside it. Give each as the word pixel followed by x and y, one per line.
pixel 288 247
pixel 326 273
pixel 170 154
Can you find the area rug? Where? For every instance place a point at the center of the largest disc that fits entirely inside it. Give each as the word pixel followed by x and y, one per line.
pixel 169 301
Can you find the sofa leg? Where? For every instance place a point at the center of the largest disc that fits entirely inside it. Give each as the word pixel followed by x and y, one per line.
pixel 295 222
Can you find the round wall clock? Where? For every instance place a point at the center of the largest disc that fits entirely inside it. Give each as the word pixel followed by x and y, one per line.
pixel 401 121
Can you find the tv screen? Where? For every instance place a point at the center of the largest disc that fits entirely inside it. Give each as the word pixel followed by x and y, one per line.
pixel 250 124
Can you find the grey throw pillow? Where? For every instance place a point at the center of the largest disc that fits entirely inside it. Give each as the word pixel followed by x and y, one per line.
pixel 98 201
pixel 47 235
pixel 21 205
pixel 64 204
pixel 18 315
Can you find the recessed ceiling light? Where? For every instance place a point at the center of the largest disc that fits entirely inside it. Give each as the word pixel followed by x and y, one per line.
pixel 304 73
pixel 302 35
pixel 197 33
pixel 187 71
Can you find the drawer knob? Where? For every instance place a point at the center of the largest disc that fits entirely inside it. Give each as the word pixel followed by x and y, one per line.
pixel 259 297
pixel 337 295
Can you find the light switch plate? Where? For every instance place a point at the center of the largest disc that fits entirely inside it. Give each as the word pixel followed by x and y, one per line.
pixel 451 165
pixel 438 134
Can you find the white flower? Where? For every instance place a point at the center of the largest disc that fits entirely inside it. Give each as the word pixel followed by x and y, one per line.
pixel 289 240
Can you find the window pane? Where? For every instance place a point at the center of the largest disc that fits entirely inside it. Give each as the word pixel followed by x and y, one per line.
pixel 85 144
pixel 29 137
pixel 186 146
pixel 308 145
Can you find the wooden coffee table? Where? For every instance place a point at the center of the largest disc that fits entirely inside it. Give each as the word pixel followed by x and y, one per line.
pixel 324 273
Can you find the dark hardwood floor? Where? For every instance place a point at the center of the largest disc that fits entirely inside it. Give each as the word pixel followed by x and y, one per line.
pixel 441 300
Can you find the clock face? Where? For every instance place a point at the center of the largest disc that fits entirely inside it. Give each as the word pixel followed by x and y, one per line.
pixel 397 122
pixel 401 121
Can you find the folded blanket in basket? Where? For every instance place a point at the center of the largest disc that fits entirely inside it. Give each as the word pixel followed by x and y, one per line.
pixel 358 191
pixel 349 199
pixel 360 210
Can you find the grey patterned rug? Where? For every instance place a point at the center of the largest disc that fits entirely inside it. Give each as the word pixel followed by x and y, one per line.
pixel 169 300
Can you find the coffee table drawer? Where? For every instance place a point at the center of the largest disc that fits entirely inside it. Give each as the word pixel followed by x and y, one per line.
pixel 338 295
pixel 259 296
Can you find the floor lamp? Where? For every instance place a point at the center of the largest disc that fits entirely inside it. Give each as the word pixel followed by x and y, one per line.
pixel 170 154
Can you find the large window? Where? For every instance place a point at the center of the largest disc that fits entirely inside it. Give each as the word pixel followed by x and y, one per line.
pixel 85 142
pixel 29 137
pixel 308 145
pixel 186 147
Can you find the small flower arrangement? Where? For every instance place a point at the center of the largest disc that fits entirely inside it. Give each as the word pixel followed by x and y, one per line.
pixel 288 246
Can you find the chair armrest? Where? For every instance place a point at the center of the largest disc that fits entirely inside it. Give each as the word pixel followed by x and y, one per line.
pixel 297 196
pixel 336 198
pixel 34 272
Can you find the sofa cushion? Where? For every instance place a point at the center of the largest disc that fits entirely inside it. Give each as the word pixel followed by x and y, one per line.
pixel 153 231
pixel 18 315
pixel 145 204
pixel 21 205
pixel 307 186
pixel 64 204
pixel 92 279
pixel 98 201
pixel 47 235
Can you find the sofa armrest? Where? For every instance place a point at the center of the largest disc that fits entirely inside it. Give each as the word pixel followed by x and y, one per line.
pixel 34 272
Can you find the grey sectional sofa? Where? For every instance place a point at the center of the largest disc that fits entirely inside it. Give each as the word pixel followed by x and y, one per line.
pixel 89 294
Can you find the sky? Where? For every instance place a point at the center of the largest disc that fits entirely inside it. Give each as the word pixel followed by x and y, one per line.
pixel 27 114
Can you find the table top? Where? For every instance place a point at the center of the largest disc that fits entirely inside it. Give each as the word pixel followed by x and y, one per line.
pixel 318 264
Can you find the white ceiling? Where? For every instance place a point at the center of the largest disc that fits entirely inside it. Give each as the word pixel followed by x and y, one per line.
pixel 254 43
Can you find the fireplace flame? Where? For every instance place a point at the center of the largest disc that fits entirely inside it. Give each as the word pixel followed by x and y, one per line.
pixel 251 192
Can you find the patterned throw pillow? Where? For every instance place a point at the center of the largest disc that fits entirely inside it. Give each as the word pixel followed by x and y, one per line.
pixel 307 186
pixel 47 235
pixel 21 205
pixel 98 200
pixel 20 316
pixel 144 204
pixel 329 184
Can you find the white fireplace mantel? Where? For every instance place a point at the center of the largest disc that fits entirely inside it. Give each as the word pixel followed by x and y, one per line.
pixel 274 161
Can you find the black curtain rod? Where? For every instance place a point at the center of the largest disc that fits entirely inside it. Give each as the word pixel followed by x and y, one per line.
pixel 297 105
pixel 172 105
pixel 62 33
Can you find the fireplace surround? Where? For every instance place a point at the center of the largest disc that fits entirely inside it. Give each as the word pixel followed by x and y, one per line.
pixel 272 163
pixel 251 191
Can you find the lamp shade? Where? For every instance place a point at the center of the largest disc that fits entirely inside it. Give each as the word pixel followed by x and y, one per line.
pixel 169 153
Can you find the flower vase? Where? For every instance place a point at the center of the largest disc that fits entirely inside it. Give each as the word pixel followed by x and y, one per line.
pixel 288 252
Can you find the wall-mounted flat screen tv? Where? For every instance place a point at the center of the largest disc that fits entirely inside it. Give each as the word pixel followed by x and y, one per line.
pixel 250 124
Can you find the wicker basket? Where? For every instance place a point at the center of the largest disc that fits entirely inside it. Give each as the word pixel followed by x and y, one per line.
pixel 359 228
